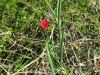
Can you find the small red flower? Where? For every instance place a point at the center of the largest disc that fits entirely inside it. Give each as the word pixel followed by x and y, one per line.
pixel 43 24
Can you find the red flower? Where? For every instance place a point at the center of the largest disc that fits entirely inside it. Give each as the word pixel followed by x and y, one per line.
pixel 43 24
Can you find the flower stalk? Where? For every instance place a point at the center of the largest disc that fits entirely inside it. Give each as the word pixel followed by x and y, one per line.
pixel 60 30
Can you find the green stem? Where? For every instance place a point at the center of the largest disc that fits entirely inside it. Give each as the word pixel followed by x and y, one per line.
pixel 49 55
pixel 60 30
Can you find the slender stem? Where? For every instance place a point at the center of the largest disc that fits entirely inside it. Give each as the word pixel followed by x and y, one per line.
pixel 49 54
pixel 50 60
pixel 60 30
pixel 47 43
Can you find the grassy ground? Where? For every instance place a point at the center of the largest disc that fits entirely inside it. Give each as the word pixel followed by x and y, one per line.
pixel 23 43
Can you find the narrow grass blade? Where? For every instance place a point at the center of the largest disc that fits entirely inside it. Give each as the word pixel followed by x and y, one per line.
pixel 53 13
pixel 50 59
